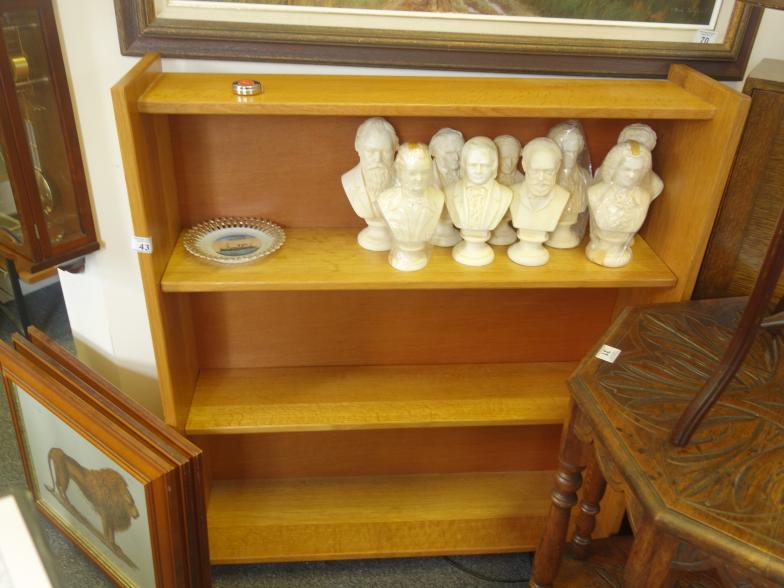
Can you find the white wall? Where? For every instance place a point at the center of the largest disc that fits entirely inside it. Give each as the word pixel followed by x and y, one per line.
pixel 105 303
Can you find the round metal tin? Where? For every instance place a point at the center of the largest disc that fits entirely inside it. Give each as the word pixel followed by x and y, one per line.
pixel 246 87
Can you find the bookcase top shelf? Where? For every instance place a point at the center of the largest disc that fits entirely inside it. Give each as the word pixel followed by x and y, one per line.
pixel 331 259
pixel 187 93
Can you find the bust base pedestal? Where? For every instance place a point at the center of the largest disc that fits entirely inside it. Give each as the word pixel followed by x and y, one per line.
pixel 409 257
pixel 529 250
pixel 376 236
pixel 504 234
pixel 608 254
pixel 446 235
pixel 581 227
pixel 564 237
pixel 473 250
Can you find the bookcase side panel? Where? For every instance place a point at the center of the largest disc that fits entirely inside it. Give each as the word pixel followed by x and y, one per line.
pixel 693 158
pixel 146 152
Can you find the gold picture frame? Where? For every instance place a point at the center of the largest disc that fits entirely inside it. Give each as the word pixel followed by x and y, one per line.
pixel 166 27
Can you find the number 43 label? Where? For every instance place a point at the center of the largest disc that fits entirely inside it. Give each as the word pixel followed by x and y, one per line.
pixel 609 354
pixel 141 244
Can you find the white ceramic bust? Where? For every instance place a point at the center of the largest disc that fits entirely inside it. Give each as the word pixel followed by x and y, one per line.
pixel 509 150
pixel 412 209
pixel 445 147
pixel 538 202
pixel 575 178
pixel 376 143
pixel 477 202
pixel 646 137
pixel 619 204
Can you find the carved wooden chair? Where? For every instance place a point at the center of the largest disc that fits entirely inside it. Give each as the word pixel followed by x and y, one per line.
pixel 688 422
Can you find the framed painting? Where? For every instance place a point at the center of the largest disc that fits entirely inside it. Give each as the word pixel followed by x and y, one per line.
pixel 616 37
pixel 103 488
pixel 49 357
pixel 775 4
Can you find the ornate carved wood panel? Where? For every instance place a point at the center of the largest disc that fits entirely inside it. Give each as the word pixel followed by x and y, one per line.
pixel 731 477
pixel 754 195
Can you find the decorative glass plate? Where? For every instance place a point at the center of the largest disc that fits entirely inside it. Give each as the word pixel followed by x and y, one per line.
pixel 233 240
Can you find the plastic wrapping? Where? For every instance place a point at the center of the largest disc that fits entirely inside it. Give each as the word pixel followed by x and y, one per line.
pixel 575 176
pixel 619 203
pixel 646 137
pixel 509 150
pixel 445 147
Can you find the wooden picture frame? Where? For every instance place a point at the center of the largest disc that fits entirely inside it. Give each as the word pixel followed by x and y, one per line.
pixel 148 25
pixel 775 4
pixel 58 362
pixel 79 450
pixel 49 195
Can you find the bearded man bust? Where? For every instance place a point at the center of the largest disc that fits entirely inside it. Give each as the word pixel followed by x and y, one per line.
pixel 376 143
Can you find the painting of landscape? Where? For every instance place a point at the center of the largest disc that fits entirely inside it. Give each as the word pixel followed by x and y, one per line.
pixel 691 12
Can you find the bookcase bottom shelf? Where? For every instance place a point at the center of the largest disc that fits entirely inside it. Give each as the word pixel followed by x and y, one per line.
pixel 298 519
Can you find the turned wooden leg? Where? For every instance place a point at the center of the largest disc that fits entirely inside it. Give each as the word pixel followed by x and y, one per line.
pixel 594 486
pixel 649 561
pixel 548 555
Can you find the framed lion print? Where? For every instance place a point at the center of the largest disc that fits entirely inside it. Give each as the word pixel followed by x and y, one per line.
pixel 115 497
pixel 86 491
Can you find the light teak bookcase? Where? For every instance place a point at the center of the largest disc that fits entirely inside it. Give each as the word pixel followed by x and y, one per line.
pixel 350 410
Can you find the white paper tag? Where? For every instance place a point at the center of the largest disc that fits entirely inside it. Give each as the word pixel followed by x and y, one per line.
pixel 141 244
pixel 704 36
pixel 609 354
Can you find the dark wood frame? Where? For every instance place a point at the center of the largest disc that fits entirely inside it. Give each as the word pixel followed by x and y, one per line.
pixel 141 32
pixel 37 252
pixel 130 454
pixel 777 4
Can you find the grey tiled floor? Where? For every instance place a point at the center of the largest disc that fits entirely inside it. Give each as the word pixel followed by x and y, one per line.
pixel 76 571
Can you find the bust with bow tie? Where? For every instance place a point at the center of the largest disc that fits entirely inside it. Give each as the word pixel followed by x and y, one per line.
pixel 477 202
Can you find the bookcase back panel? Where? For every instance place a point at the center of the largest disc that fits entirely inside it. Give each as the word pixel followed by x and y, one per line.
pixel 287 168
pixel 382 452
pixel 265 329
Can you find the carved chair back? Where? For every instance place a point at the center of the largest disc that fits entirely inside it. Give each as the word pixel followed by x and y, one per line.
pixel 752 319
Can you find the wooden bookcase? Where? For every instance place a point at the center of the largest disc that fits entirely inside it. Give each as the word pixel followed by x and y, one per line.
pixel 347 409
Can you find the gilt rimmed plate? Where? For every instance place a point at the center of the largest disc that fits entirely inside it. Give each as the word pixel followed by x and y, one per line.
pixel 233 239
